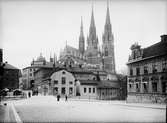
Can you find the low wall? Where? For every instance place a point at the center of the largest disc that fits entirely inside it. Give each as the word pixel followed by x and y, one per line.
pixel 146 98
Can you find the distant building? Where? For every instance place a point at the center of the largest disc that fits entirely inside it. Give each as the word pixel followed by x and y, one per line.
pixel 10 77
pixel 147 78
pixel 88 73
pixel 28 72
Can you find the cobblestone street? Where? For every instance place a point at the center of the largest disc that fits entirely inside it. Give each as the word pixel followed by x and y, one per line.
pixel 47 109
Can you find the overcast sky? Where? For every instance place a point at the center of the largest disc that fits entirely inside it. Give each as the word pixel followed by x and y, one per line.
pixel 29 27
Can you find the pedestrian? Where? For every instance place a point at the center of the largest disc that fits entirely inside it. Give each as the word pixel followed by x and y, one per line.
pixel 66 97
pixel 58 97
pixel 29 94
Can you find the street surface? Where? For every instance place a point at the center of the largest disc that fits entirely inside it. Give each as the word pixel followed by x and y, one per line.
pixel 47 109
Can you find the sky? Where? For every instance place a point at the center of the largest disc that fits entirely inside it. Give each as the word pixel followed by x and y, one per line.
pixel 28 28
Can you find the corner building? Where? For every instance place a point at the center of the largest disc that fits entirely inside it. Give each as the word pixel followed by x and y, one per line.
pixel 147 79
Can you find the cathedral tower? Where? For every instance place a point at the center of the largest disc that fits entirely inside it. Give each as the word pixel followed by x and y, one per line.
pixel 108 45
pixel 92 42
pixel 81 40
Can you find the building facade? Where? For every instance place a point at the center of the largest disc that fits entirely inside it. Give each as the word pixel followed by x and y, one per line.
pixel 28 72
pixel 147 79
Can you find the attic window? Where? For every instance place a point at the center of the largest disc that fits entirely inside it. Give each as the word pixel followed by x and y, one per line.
pixel 63 72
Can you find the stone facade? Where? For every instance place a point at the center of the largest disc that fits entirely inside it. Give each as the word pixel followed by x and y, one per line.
pixel 147 77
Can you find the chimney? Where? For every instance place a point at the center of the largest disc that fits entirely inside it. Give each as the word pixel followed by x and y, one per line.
pixel 163 38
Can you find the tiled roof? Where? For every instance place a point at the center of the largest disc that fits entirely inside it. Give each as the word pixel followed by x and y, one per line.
pixel 157 49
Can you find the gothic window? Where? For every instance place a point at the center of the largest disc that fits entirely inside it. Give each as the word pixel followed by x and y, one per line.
pixel 106 51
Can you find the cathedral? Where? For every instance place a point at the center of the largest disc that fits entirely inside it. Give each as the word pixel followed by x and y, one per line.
pixel 88 72
pixel 103 59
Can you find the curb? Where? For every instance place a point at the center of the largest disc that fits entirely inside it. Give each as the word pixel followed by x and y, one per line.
pixel 17 118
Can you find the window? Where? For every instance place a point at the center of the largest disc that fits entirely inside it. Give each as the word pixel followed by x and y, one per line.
pixel 84 90
pixel 30 74
pixel 63 72
pixel 137 71
pixel 106 52
pixel 154 86
pixel 145 87
pixel 30 69
pixel 70 82
pixel 89 90
pixel 93 90
pixel 63 90
pixel 163 87
pixel 154 68
pixel 130 86
pixel 63 80
pixel 55 82
pixel 131 71
pixel 70 90
pixel 145 70
pixel 55 90
pixel 164 66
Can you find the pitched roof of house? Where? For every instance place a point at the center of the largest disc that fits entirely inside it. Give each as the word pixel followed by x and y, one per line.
pixel 9 66
pixel 157 49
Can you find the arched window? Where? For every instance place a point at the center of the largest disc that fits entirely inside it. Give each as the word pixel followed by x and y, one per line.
pixel 106 51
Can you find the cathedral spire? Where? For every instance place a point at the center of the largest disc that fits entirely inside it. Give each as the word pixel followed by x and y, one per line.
pixel 92 24
pixel 108 15
pixel 81 39
pixel 81 29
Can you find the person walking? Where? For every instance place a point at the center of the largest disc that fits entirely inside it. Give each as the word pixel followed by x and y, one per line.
pixel 66 97
pixel 29 94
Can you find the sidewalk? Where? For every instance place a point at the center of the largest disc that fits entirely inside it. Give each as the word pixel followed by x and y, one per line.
pixel 124 103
